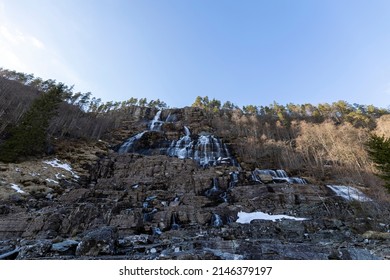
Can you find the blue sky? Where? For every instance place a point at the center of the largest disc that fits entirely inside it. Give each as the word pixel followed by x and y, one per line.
pixel 247 52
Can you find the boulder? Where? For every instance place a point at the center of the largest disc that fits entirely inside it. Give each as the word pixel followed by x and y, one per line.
pixel 98 242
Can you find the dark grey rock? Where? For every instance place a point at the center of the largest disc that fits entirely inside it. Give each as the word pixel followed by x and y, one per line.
pixel 34 249
pixel 98 242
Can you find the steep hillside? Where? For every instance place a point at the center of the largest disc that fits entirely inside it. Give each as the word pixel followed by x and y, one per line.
pixel 193 183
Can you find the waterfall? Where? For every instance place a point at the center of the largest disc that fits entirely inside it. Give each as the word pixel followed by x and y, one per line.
pixel 156 124
pixel 349 193
pixel 281 173
pixel 269 172
pixel 233 179
pixel 256 177
pixel 214 190
pixel 129 144
pixel 187 131
pixel 215 193
pixel 224 197
pixel 296 180
pixel 226 150
pixel 182 148
pixel 206 149
pixel 215 184
pixel 169 118
pixel 278 175
pixel 216 220
pixel 174 222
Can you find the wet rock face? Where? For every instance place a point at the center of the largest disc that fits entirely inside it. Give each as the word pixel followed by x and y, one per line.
pixel 156 205
pixel 204 148
pixel 159 207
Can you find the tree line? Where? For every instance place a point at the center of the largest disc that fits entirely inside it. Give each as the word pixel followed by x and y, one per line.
pixel 339 112
pixel 84 101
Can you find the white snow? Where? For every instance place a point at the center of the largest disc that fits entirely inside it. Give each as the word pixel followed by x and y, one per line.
pixel 349 193
pixel 246 218
pixel 56 163
pixel 17 188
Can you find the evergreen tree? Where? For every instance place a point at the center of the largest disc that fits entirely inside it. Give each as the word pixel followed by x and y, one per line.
pixel 198 102
pixel 378 148
pixel 29 136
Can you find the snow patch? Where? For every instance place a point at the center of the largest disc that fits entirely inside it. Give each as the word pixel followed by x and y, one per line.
pixel 56 163
pixel 246 218
pixel 17 188
pixel 349 193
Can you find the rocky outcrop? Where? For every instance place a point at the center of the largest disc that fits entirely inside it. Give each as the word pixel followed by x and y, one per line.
pixel 157 207
pixel 92 202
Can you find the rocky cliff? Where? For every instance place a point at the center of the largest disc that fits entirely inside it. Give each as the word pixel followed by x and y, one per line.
pixel 176 184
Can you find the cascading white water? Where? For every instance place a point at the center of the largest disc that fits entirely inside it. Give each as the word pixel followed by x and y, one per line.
pixel 214 190
pixel 156 124
pixel 268 172
pixel 169 117
pixel 281 173
pixel 278 175
pixel 205 149
pixel 187 131
pixel 215 184
pixel 182 148
pixel 297 180
pixel 129 144
pixel 233 179
pixel 224 197
pixel 208 150
pixel 216 220
pixel 349 193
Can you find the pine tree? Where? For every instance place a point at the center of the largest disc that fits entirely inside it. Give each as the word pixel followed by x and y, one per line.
pixel 29 136
pixel 378 148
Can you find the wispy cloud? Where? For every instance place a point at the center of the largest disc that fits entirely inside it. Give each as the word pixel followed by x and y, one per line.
pixel 17 39
pixel 27 53
pixel 18 50
pixel 33 50
pixel 37 43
